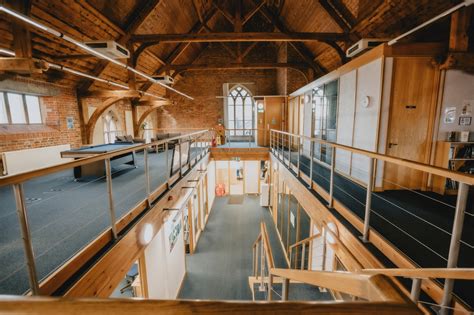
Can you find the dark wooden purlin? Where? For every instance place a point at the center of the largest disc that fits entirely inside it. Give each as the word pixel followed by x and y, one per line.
pixel 339 14
pixel 133 23
pixel 252 12
pixel 227 66
pixel 300 48
pixel 181 47
pixel 339 50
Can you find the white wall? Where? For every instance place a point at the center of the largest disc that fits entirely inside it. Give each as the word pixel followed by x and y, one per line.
pixel 369 83
pixel 458 87
pixel 252 173
pixel 165 270
pixel 345 119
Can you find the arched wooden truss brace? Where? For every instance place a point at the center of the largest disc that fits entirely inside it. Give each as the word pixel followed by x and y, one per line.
pixel 90 126
pixel 153 106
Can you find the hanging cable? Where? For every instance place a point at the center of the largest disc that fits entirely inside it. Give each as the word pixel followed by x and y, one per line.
pixel 56 33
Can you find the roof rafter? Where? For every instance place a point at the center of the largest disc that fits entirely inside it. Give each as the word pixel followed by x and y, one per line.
pixel 300 48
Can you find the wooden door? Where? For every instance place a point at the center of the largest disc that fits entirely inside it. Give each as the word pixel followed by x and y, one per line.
pixel 274 107
pixel 413 99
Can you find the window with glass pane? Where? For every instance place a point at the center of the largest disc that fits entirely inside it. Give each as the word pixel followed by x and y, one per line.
pixel 17 108
pixel 3 110
pixel 240 115
pixel 325 117
pixel 33 108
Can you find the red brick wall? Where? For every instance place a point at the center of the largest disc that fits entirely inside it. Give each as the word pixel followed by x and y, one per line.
pixel 207 87
pixel 54 131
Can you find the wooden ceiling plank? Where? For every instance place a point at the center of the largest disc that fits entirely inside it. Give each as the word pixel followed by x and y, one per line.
pixel 133 23
pixel 300 48
pixel 227 66
pixel 335 15
pixel 182 47
pixel 239 37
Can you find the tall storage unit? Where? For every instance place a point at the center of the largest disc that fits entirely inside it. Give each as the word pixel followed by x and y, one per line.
pixel 368 86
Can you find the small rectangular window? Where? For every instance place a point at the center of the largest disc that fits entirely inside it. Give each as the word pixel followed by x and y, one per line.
pixel 33 107
pixel 3 110
pixel 17 108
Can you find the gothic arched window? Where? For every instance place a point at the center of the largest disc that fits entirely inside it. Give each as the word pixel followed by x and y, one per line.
pixel 240 115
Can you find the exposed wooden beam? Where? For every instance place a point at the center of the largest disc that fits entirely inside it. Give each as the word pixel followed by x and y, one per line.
pixel 338 13
pixel 152 103
pixel 133 23
pixel 223 12
pixel 300 48
pixel 111 93
pixel 181 47
pixel 21 34
pixel 235 66
pixel 252 12
pixel 23 65
pixel 199 26
pixel 239 37
pixel 247 51
pixel 339 50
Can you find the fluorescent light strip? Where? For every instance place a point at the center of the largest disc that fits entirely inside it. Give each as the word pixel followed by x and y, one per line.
pixel 7 52
pixel 85 75
pixel 445 13
pixel 87 48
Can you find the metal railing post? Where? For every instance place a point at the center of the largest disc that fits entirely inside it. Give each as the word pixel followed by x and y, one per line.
pixel 299 153
pixel 147 173
pixel 415 290
pixel 289 152
pixel 26 236
pixel 311 153
pixel 180 156
pixel 453 256
pixel 368 201
pixel 108 174
pixel 331 182
pixel 285 289
pixel 168 170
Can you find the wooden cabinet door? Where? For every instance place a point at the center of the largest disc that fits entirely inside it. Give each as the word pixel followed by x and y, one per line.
pixel 413 100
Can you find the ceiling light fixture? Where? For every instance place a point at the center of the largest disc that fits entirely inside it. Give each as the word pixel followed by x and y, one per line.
pixel 54 32
pixel 7 52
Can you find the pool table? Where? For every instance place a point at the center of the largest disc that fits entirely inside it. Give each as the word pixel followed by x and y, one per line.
pixel 97 169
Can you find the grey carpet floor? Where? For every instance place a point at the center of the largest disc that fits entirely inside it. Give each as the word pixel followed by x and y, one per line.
pixel 220 267
pixel 65 215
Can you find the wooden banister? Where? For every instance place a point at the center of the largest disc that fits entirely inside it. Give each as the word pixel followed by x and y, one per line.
pixel 306 240
pixel 60 306
pixel 425 273
pixel 22 177
pixel 268 248
pixel 455 175
pixel 370 287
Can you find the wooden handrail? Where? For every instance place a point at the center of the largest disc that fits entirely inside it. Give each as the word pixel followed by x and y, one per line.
pixel 455 175
pixel 268 248
pixel 61 306
pixel 22 177
pixel 369 287
pixel 308 239
pixel 425 273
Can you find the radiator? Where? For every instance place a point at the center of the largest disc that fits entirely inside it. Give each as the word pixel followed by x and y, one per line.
pixel 20 161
